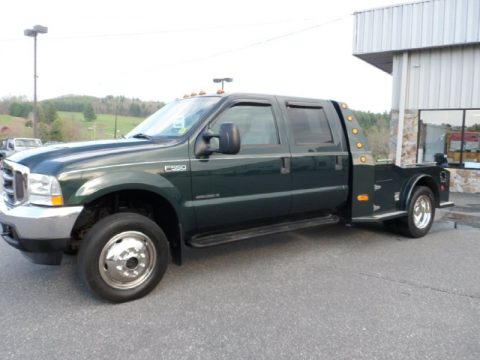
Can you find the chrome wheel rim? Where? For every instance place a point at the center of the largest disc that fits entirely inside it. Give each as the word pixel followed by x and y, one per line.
pixel 422 211
pixel 127 260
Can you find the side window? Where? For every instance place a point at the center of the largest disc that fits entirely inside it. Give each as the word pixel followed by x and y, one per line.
pixel 255 122
pixel 309 126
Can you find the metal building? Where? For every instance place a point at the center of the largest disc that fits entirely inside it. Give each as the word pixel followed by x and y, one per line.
pixel 432 50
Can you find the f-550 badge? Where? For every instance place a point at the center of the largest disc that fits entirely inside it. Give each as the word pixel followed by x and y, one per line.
pixel 175 168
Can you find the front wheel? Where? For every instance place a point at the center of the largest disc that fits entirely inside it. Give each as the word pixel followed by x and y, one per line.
pixel 123 257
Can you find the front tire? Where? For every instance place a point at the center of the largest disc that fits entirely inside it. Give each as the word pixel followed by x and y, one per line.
pixel 123 257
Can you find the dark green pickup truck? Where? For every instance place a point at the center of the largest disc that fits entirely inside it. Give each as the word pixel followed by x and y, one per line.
pixel 203 171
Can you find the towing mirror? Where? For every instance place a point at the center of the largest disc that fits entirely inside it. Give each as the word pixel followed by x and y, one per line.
pixel 229 139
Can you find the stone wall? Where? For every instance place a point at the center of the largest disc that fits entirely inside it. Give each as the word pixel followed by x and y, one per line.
pixel 410 135
pixel 465 181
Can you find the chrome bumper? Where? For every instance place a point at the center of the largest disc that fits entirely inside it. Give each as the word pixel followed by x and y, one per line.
pixel 37 222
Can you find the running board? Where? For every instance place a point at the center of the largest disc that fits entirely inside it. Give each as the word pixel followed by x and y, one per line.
pixel 223 238
pixel 380 217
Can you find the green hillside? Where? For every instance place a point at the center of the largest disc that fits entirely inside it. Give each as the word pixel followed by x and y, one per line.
pixel 103 126
pixel 76 128
pixel 14 126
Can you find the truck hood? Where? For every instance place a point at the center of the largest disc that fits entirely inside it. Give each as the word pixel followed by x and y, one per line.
pixel 44 159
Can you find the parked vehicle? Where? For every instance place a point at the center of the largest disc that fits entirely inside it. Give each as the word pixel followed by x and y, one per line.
pixel 204 171
pixel 10 146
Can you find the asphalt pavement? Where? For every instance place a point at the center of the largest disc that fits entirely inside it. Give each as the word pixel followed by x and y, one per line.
pixel 327 293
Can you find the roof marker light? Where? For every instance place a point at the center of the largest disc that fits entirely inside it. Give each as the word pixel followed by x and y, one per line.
pixel 359 145
pixel 350 118
pixel 355 131
pixel 344 106
pixel 363 159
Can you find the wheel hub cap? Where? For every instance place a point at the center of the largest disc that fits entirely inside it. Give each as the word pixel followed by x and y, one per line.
pixel 422 211
pixel 127 260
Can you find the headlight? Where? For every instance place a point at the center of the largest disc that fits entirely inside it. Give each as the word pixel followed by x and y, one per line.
pixel 44 190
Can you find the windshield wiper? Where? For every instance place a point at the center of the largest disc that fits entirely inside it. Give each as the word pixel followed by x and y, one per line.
pixel 142 136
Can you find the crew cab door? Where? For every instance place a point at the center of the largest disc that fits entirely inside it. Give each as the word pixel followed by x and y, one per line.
pixel 252 185
pixel 320 160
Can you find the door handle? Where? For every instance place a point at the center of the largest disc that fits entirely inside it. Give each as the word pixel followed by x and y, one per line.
pixel 285 165
pixel 338 162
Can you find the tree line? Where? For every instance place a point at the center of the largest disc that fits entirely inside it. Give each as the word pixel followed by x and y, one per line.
pixel 52 128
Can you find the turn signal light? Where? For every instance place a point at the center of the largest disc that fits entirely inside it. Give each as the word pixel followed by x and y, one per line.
pixel 57 200
pixel 362 197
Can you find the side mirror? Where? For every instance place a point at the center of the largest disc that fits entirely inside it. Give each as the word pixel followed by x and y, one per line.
pixel 229 139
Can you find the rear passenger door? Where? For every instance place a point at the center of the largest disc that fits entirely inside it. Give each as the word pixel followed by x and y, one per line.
pixel 320 161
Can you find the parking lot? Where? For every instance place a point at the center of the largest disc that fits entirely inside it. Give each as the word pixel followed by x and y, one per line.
pixel 331 292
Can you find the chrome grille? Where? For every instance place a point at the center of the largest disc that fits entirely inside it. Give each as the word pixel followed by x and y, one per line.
pixel 15 180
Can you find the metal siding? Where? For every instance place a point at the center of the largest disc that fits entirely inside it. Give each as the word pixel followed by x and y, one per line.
pixel 439 78
pixel 423 94
pixel 475 73
pixel 386 27
pixel 456 88
pixel 468 58
pixel 424 24
pixel 446 77
pixel 396 80
pixel 417 19
pixel 460 23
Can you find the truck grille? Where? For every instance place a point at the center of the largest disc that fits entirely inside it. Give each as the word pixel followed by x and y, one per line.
pixel 15 180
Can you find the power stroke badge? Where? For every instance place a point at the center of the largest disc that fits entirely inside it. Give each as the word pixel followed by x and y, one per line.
pixel 175 168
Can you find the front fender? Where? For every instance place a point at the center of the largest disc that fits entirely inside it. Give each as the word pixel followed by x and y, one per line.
pixel 98 186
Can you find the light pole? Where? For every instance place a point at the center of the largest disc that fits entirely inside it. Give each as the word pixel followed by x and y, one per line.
pixel 37 29
pixel 222 80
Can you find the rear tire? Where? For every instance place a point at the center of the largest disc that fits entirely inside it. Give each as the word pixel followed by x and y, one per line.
pixel 421 212
pixel 123 257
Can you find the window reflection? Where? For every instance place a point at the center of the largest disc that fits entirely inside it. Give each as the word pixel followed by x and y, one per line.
pixel 447 141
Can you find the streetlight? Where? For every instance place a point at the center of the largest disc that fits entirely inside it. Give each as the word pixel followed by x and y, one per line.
pixel 222 80
pixel 37 29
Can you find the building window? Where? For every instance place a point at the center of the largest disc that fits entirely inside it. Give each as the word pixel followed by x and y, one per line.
pixel 451 138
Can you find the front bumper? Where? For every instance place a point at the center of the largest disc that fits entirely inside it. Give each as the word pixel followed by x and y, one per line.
pixel 41 233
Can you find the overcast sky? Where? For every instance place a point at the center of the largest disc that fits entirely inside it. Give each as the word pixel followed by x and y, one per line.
pixel 160 50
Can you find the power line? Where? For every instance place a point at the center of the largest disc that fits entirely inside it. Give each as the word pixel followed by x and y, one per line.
pixel 165 31
pixel 260 43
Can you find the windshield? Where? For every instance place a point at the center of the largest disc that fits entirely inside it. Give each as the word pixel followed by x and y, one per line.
pixel 174 119
pixel 28 143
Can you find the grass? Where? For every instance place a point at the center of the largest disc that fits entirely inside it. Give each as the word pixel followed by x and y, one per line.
pixel 77 128
pixel 13 126
pixel 104 125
